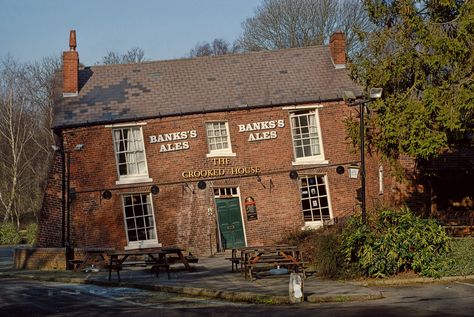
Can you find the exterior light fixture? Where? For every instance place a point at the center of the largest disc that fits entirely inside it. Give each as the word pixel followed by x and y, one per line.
pixel 294 174
pixel 106 194
pixel 55 148
pixel 353 171
pixel 375 93
pixel 350 98
pixel 201 185
pixel 154 190
pixel 79 147
pixel 259 179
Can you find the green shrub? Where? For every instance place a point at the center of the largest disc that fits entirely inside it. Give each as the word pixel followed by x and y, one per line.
pixel 9 234
pixel 395 241
pixel 30 233
pixel 320 249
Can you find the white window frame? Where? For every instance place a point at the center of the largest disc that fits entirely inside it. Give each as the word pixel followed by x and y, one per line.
pixel 130 178
pixel 381 180
pixel 316 223
pixel 314 159
pixel 150 243
pixel 220 152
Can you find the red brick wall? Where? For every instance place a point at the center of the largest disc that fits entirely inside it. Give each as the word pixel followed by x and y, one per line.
pixel 50 215
pixel 181 212
pixel 40 259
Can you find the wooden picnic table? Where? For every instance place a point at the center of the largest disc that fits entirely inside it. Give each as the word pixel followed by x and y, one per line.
pixel 91 256
pixel 157 257
pixel 254 258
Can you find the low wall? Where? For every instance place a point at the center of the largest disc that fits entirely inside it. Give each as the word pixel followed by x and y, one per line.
pixel 40 258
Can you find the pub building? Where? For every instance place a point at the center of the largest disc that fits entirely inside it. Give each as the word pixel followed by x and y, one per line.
pixel 207 153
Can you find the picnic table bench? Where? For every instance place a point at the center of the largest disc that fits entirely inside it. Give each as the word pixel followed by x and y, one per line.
pixel 255 259
pixel 89 257
pixel 156 257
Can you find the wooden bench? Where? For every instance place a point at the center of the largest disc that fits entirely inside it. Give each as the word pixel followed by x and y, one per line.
pixel 118 267
pixel 76 264
pixel 260 258
pixel 252 269
pixel 235 263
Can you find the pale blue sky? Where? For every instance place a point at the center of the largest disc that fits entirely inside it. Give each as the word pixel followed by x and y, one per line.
pixel 165 29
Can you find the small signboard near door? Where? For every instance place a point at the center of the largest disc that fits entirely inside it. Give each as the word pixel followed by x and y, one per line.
pixel 251 208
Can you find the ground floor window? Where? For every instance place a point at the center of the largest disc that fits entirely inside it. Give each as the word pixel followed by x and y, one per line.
pixel 315 199
pixel 139 219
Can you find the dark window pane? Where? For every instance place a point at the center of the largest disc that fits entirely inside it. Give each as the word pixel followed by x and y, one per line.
pixel 325 212
pixel 131 223
pixel 324 202
pixel 132 235
pixel 142 234
pixel 140 222
pixel 306 204
pixel 138 210
pixel 128 211
pixel 322 190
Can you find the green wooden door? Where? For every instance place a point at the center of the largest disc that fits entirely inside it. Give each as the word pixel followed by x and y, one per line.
pixel 230 223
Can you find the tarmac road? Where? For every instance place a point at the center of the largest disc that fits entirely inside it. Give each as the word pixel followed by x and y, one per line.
pixel 35 298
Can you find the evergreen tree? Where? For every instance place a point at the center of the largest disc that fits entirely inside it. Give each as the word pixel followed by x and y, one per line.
pixel 421 54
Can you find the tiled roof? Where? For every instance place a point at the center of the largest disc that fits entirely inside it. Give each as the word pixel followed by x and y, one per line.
pixel 117 93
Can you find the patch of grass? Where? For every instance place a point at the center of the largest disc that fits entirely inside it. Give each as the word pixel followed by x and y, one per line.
pixel 460 258
pixel 9 234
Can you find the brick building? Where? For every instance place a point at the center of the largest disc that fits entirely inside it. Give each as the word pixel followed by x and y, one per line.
pixel 205 153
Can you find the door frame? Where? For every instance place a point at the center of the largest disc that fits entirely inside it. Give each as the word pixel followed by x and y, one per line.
pixel 215 197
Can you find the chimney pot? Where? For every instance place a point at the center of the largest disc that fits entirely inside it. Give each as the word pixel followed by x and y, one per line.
pixel 337 48
pixel 72 40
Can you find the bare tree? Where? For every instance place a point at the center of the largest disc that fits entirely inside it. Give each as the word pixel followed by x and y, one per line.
pixel 217 47
pixel 279 24
pixel 132 56
pixel 26 94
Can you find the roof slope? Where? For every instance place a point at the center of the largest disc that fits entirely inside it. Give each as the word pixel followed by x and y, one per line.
pixel 117 93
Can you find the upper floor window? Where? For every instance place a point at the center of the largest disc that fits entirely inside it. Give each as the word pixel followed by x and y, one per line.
pixel 306 134
pixel 218 139
pixel 130 154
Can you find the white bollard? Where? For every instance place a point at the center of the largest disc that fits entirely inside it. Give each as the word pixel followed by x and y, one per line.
pixel 296 288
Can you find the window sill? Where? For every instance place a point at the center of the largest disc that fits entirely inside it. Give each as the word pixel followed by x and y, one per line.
pixel 310 162
pixel 317 224
pixel 220 154
pixel 134 180
pixel 143 245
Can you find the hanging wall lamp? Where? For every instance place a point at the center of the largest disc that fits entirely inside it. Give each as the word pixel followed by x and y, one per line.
pixel 294 174
pixel 154 190
pixel 106 194
pixel 201 185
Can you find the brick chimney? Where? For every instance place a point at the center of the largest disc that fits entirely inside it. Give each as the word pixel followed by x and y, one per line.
pixel 71 68
pixel 337 48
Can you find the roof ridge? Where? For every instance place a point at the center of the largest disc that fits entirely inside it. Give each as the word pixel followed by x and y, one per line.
pixel 246 53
